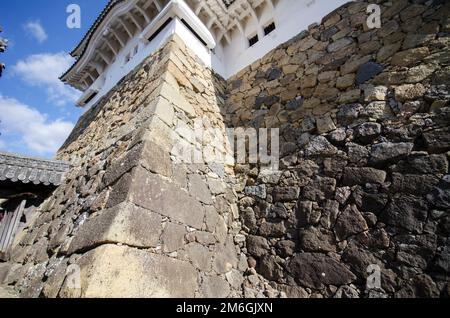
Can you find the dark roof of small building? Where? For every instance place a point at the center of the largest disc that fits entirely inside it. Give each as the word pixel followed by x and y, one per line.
pixel 17 168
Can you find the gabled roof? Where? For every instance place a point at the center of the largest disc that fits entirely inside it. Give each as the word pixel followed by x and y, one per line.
pixel 17 168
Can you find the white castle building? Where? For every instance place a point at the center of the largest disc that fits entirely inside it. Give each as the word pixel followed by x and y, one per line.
pixel 227 35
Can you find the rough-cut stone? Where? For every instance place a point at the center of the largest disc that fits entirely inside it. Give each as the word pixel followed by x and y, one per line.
pixel 173 237
pixel 199 256
pixel 440 196
pixel 361 176
pixel 318 271
pixel 199 189
pixel 436 141
pixel 423 164
pixel 257 246
pixel 345 81
pixel 367 71
pixel 316 240
pixel 259 191
pixel 270 268
pixel 350 222
pixel 409 92
pixel 282 194
pixel 348 113
pixel 389 152
pixel 325 124
pixel 367 132
pixel 123 148
pixel 268 229
pixel 375 93
pixel 407 212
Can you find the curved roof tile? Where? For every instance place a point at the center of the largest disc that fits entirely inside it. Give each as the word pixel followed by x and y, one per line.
pixel 17 168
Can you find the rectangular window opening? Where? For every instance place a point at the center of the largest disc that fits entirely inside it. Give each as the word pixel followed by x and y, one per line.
pixel 269 28
pixel 253 40
pixel 90 98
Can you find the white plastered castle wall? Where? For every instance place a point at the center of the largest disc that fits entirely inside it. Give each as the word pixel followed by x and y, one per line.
pixel 290 17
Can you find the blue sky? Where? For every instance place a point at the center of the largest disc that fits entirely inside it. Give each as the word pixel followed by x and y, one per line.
pixel 37 112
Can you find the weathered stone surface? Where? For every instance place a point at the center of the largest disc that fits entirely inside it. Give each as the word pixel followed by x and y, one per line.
pixel 421 286
pixel 257 246
pixel 320 146
pixel 118 271
pixel 215 287
pixel 409 57
pixel 345 81
pixel 407 212
pixel 156 194
pixel 440 195
pixel 199 256
pixel 259 191
pixel 303 89
pixel 409 92
pixel 389 152
pixel 286 248
pixel 325 124
pixel 350 222
pixel 413 184
pixel 313 239
pixel 348 113
pixel 339 44
pixel 199 189
pixel 282 194
pixel 125 223
pixel 318 271
pixel 268 229
pixel 375 93
pixel 367 71
pixel 361 176
pixel 424 164
pixel 173 237
pixel 367 132
pixel 269 267
pixel 436 141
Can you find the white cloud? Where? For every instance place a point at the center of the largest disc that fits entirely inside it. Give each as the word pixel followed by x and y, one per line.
pixel 35 29
pixel 39 134
pixel 43 70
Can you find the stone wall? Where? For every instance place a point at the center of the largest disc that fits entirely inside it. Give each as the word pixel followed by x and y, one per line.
pixel 364 118
pixel 137 221
pixel 363 182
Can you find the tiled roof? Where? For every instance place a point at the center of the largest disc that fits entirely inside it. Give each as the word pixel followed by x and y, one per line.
pixel 31 170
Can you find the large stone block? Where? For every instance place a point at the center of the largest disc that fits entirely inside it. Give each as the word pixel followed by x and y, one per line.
pixel 124 223
pixel 164 197
pixel 111 271
pixel 317 271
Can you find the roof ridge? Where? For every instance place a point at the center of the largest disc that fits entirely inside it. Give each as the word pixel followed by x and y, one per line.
pixel 42 160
